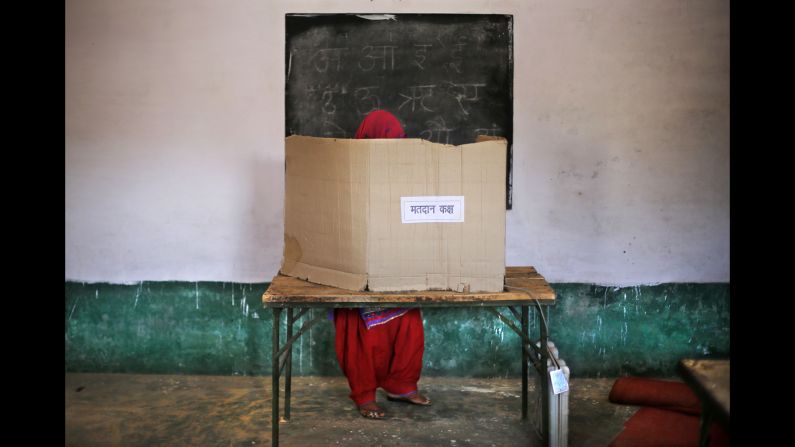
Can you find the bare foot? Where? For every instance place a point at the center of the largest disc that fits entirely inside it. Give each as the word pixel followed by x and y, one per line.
pixel 414 398
pixel 371 410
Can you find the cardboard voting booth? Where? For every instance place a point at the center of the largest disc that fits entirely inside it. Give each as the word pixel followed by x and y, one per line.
pixel 395 214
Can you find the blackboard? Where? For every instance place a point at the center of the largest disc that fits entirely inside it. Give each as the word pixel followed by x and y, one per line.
pixel 447 77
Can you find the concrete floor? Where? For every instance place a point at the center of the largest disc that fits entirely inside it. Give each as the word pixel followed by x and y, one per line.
pixel 181 410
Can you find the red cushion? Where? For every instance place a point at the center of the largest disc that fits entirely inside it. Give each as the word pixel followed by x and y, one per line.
pixel 664 394
pixel 652 427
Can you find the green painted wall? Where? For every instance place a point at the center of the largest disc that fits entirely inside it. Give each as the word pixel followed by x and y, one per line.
pixel 219 328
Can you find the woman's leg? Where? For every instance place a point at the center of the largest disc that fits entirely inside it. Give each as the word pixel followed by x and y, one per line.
pixel 408 345
pixel 354 355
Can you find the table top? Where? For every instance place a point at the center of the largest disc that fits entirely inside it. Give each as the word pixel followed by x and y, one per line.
pixel 709 379
pixel 287 291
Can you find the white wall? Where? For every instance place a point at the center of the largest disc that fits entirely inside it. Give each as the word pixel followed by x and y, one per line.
pixel 174 137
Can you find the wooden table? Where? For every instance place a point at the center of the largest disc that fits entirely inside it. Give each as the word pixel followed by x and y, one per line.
pixel 709 379
pixel 524 287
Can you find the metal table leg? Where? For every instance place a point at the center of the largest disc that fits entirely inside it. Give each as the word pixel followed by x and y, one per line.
pixel 288 368
pixel 544 379
pixel 277 311
pixel 524 362
pixel 282 359
pixel 526 343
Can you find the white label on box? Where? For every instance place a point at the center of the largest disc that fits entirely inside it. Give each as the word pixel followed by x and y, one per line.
pixel 559 382
pixel 424 209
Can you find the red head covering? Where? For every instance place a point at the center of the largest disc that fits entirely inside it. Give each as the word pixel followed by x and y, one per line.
pixel 380 124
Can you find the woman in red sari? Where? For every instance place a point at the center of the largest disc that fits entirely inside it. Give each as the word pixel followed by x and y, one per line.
pixel 380 347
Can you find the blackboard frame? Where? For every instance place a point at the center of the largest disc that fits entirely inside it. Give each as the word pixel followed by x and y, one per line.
pixel 491 35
